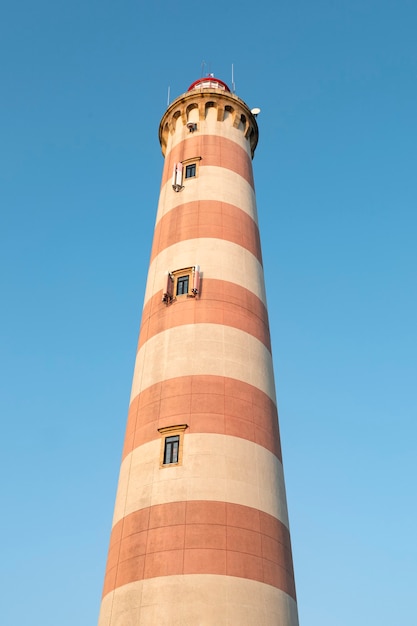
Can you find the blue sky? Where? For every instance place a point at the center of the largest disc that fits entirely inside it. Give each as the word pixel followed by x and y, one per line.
pixel 82 89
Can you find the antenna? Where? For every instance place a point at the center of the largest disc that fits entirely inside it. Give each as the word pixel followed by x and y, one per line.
pixel 169 90
pixel 203 64
pixel 233 80
pixel 255 112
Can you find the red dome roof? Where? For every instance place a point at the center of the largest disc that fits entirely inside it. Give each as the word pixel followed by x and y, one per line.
pixel 207 82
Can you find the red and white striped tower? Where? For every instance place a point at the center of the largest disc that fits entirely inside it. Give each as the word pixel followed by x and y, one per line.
pixel 200 530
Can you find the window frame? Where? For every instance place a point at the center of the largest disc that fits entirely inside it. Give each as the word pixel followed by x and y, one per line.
pixel 170 291
pixel 180 275
pixel 167 433
pixel 190 171
pixel 171 449
pixel 188 163
pixel 182 280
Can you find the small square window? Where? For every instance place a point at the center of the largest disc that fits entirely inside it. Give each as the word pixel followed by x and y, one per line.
pixel 171 449
pixel 182 285
pixel 190 170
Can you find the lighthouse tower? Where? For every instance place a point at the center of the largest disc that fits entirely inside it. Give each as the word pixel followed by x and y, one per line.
pixel 200 530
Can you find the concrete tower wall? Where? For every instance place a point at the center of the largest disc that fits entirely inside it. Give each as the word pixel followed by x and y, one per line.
pixel 204 540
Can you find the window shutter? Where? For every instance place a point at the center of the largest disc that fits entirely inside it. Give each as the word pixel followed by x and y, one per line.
pixel 196 280
pixel 169 288
pixel 177 177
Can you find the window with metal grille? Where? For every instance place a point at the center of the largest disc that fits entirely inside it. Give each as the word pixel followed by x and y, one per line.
pixel 172 445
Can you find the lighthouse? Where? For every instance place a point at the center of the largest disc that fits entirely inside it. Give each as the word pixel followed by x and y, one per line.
pixel 200 533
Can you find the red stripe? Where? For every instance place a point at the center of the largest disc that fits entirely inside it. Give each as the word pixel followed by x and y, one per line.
pixel 212 150
pixel 208 404
pixel 200 537
pixel 210 219
pixel 219 302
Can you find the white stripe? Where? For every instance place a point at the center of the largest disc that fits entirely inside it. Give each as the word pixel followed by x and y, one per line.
pixel 213 183
pixel 218 468
pixel 204 349
pixel 198 600
pixel 217 258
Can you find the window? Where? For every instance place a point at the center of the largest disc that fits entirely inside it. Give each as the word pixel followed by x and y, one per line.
pixel 182 285
pixel 178 172
pixel 172 443
pixel 190 170
pixel 182 282
pixel 171 449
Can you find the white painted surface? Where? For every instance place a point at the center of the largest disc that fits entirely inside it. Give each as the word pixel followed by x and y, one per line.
pixel 210 349
pixel 198 600
pixel 218 468
pixel 212 183
pixel 217 258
